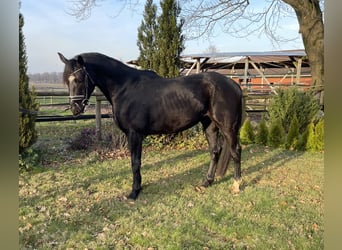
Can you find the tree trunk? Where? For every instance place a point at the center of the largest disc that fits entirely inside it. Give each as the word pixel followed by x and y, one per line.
pixel 310 21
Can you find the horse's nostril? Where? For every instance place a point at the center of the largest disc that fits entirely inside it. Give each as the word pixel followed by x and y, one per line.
pixel 76 107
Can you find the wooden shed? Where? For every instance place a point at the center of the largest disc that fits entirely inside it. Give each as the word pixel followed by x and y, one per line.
pixel 258 71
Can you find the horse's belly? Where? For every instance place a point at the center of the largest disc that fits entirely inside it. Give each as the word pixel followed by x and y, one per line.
pixel 167 113
pixel 172 121
pixel 176 112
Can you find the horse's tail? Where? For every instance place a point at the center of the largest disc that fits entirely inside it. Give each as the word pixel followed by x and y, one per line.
pixel 225 154
pixel 224 159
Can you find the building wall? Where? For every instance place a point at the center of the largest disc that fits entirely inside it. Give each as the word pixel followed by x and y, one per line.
pixel 259 84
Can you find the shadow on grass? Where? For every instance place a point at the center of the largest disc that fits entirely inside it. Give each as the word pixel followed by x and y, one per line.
pixel 186 176
pixel 276 159
pixel 194 175
pixel 252 173
pixel 163 182
pixel 103 209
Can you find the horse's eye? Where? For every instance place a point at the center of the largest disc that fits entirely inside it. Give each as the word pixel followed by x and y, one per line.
pixel 77 80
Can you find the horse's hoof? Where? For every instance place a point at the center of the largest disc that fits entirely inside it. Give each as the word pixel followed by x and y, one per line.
pixel 236 186
pixel 134 194
pixel 207 183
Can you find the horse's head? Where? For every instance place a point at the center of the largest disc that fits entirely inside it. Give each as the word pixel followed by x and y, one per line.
pixel 79 83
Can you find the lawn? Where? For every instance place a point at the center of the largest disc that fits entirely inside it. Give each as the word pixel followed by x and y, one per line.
pixel 76 199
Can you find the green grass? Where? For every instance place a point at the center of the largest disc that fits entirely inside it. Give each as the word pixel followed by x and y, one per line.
pixel 76 200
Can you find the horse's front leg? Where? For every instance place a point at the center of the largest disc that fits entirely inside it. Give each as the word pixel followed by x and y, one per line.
pixel 135 147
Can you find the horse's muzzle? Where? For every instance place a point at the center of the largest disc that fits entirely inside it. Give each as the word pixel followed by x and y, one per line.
pixel 77 107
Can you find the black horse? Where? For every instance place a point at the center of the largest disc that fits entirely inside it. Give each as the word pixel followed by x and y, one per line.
pixel 145 103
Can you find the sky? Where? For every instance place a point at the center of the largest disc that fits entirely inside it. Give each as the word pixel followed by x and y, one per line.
pixel 112 30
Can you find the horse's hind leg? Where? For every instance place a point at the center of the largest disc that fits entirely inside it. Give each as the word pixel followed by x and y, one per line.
pixel 235 152
pixel 212 136
pixel 230 132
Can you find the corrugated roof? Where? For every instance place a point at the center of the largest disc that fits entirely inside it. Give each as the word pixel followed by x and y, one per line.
pixel 236 60
pixel 281 53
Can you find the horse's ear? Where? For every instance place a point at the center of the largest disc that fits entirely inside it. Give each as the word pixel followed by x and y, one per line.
pixel 80 60
pixel 63 59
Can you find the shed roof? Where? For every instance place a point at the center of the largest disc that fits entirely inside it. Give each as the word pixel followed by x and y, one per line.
pixel 227 60
pixel 282 53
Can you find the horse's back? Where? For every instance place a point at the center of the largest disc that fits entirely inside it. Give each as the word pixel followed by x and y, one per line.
pixel 166 105
pixel 163 105
pixel 223 83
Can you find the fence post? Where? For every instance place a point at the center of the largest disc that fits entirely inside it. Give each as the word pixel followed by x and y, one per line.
pixel 244 99
pixel 198 65
pixel 98 118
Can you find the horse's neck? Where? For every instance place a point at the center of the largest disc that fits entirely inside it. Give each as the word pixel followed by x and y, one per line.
pixel 112 85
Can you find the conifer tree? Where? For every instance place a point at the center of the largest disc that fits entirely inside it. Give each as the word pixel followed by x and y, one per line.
pixel 28 106
pixel 262 133
pixel 247 132
pixel 147 37
pixel 276 134
pixel 302 140
pixel 315 141
pixel 292 135
pixel 319 132
pixel 291 102
pixel 310 144
pixel 170 41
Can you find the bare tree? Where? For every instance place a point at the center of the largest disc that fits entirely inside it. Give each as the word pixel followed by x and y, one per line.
pixel 81 9
pixel 240 18
pixel 237 17
pixel 310 21
pixel 211 49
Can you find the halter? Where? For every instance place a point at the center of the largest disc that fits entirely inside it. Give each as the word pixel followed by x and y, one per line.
pixel 84 97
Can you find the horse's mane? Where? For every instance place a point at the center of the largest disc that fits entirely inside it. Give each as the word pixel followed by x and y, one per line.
pixel 103 60
pixel 108 63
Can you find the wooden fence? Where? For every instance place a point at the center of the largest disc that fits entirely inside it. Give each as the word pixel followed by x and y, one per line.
pixel 50 94
pixel 253 102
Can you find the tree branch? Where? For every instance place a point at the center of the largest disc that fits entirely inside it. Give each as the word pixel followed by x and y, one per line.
pixel 237 17
pixel 81 9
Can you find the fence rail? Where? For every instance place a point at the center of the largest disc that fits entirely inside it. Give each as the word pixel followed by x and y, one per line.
pixel 99 98
pixel 53 118
pixel 256 99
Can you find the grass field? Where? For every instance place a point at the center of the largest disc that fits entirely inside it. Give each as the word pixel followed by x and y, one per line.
pixel 76 199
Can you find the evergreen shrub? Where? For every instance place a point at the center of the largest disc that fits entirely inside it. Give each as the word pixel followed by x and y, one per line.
pixel 315 141
pixel 247 132
pixel 290 103
pixel 27 102
pixel 292 135
pixel 319 132
pixel 262 133
pixel 276 134
pixel 302 140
